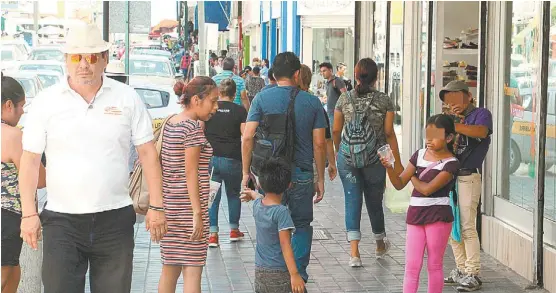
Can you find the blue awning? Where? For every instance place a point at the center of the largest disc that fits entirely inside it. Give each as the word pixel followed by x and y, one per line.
pixel 216 12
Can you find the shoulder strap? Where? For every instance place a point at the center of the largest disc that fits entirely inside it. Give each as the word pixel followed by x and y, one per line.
pixel 431 166
pixel 158 143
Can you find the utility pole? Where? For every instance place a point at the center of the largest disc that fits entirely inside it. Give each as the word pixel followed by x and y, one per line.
pixel 202 39
pixel 36 16
pixel 127 44
pixel 106 21
pixel 185 25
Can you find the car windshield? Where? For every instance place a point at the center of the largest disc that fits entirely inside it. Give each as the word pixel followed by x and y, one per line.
pixel 151 52
pixel 28 86
pixel 150 68
pixel 35 67
pixel 52 54
pixel 7 55
pixel 48 80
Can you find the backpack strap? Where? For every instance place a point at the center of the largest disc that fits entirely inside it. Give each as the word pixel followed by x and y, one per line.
pixel 290 118
pixel 431 166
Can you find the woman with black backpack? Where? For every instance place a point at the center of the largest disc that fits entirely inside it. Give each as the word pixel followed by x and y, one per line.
pixel 363 122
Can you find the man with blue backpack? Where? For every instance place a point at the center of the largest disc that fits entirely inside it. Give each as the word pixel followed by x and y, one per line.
pixel 289 124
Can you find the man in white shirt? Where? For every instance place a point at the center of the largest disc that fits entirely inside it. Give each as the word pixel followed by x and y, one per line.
pixel 84 125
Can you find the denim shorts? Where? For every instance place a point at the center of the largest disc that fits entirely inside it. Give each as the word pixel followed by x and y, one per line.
pixel 272 281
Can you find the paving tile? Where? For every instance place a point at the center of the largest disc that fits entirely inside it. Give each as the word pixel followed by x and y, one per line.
pixel 231 267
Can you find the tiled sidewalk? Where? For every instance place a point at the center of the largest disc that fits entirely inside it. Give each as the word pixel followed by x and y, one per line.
pixel 230 268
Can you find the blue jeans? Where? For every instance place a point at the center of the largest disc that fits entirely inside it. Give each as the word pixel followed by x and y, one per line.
pixel 331 119
pixel 368 182
pixel 299 200
pixel 228 171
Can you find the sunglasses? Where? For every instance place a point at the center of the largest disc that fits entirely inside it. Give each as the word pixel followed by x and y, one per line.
pixel 90 58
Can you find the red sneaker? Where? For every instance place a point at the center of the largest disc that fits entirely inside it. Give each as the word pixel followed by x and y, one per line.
pixel 236 235
pixel 213 240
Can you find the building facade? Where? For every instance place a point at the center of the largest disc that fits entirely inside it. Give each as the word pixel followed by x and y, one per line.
pixel 504 51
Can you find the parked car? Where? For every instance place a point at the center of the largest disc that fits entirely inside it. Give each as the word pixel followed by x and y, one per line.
pixel 47 53
pixel 19 43
pixel 48 78
pixel 35 65
pixel 160 100
pixel 152 70
pixel 29 80
pixel 11 55
pixel 523 133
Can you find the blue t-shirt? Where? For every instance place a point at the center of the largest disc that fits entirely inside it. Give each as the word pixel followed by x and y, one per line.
pixel 308 116
pixel 269 87
pixel 269 221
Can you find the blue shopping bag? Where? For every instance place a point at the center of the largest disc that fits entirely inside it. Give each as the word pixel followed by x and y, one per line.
pixel 456 226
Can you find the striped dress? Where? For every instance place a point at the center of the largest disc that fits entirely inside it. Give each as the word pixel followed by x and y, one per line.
pixel 176 248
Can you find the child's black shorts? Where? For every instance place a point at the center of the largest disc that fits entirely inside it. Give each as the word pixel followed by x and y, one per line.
pixel 11 240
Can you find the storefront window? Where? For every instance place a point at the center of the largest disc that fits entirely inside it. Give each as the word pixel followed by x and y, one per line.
pixel 334 45
pixel 518 110
pixel 379 46
pixel 550 179
pixel 424 59
pixel 396 59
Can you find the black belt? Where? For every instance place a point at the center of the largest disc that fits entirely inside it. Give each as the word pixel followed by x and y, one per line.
pixel 467 171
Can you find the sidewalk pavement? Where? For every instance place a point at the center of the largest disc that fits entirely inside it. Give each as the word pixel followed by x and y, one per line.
pixel 231 268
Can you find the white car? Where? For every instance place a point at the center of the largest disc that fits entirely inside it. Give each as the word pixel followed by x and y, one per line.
pixel 11 55
pixel 152 70
pixel 160 100
pixel 37 65
pixel 47 53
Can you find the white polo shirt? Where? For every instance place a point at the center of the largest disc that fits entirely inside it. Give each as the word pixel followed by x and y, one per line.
pixel 87 145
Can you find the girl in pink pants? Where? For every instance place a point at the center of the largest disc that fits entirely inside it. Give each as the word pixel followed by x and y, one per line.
pixel 432 171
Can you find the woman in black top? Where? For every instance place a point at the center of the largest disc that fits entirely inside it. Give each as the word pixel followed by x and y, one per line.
pixel 223 131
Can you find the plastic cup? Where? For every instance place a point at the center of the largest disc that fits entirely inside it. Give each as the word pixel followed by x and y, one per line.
pixel 385 152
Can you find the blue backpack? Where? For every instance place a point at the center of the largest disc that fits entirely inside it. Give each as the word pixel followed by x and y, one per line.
pixel 359 140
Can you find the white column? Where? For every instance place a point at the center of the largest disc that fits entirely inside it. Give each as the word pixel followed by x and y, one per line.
pixel 411 86
pixel 291 20
pixel 307 48
pixel 366 31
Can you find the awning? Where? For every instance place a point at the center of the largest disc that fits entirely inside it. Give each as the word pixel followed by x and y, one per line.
pixel 216 12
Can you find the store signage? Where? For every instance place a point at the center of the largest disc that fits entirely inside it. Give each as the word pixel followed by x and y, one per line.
pixel 325 7
pixel 139 17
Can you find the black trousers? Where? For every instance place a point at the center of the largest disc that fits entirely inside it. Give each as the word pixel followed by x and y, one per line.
pixel 74 242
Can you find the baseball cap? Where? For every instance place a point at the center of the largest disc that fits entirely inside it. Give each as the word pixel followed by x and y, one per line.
pixel 454 86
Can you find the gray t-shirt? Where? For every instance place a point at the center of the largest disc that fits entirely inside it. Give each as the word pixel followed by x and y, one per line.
pixel 333 91
pixel 377 105
pixel 269 221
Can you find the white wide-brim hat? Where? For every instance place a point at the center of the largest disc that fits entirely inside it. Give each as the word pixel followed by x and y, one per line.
pixel 84 39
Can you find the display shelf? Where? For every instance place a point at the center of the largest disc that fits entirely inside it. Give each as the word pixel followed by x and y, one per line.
pixel 460 52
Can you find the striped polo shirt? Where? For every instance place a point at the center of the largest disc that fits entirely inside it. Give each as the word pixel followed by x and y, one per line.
pixel 240 83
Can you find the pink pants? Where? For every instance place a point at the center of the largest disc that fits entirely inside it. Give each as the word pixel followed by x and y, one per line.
pixel 434 237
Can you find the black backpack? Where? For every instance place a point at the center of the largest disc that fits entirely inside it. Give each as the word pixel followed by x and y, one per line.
pixel 275 137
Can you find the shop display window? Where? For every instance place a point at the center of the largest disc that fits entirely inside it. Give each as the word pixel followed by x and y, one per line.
pixel 518 112
pixel 395 59
pixel 550 179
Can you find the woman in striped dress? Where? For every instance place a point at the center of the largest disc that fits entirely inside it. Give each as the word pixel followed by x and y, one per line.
pixel 185 159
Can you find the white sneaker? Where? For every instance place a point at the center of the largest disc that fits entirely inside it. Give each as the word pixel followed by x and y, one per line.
pixel 355 262
pixel 381 253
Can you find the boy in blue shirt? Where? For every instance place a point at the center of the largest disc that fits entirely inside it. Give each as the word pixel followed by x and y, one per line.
pixel 276 271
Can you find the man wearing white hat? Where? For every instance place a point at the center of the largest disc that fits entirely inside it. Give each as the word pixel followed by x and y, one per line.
pixel 84 125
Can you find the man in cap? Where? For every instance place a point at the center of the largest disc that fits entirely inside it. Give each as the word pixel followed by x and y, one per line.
pixel 473 127
pixel 85 124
